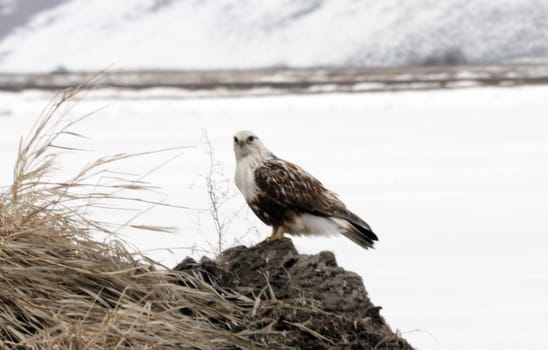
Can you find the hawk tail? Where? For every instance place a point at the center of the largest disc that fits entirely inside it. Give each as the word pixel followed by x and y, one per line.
pixel 362 236
pixel 359 231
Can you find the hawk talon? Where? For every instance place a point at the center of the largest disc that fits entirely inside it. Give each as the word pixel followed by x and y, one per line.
pixel 276 238
pixel 277 233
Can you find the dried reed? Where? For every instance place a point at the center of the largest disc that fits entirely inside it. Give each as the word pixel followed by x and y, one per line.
pixel 61 289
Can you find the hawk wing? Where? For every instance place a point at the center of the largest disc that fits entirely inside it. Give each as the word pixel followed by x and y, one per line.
pixel 292 187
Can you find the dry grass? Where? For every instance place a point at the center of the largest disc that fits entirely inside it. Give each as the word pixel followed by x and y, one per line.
pixel 63 290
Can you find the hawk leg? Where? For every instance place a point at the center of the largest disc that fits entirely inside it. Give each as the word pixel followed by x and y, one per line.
pixel 277 233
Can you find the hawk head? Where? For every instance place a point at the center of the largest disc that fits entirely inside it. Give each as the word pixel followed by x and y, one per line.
pixel 247 143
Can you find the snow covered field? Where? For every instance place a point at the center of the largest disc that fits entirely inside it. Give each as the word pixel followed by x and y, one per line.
pixel 453 182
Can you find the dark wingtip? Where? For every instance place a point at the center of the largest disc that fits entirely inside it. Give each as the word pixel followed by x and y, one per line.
pixel 360 225
pixel 366 231
pixel 363 236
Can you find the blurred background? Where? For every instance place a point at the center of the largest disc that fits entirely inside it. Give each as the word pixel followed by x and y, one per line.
pixel 76 35
pixel 428 118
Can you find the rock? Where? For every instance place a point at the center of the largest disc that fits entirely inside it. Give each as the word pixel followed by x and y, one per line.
pixel 307 300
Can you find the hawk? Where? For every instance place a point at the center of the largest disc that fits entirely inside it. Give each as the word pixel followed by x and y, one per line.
pixel 289 199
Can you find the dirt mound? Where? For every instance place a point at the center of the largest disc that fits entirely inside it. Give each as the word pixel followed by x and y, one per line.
pixel 306 300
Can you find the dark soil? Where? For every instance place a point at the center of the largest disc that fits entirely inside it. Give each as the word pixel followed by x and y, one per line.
pixel 301 301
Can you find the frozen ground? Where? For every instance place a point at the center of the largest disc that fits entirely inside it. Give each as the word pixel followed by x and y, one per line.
pixel 454 183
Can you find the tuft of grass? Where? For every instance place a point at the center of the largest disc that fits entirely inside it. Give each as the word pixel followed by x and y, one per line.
pixel 61 289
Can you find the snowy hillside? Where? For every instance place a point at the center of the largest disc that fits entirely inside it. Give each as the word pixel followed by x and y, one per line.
pixel 169 34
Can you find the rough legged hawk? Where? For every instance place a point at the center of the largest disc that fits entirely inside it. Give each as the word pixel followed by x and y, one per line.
pixel 289 199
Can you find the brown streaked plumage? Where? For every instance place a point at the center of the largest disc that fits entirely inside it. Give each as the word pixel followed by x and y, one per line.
pixel 289 199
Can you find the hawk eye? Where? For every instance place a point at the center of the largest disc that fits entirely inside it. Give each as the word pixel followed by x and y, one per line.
pixel 235 139
pixel 251 138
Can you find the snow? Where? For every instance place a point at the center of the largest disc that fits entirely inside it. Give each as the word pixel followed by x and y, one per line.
pixel 452 181
pixel 7 7
pixel 153 34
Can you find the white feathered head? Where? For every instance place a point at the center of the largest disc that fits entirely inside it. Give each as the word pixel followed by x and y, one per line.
pixel 247 143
